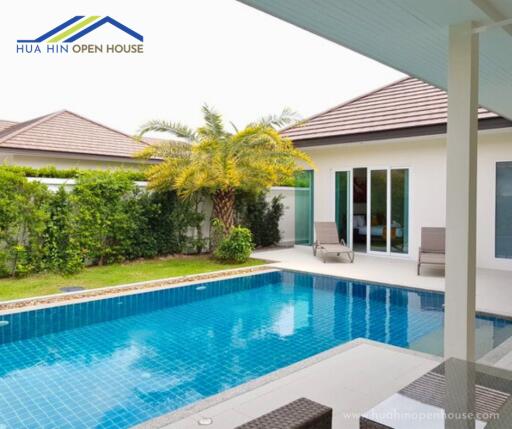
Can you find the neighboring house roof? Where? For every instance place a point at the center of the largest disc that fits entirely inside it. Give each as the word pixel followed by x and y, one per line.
pixel 6 124
pixel 154 140
pixel 67 132
pixel 402 109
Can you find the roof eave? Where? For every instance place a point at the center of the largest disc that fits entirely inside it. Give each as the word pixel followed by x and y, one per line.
pixel 77 155
pixel 397 133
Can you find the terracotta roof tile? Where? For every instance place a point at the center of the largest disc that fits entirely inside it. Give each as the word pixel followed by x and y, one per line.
pixel 6 124
pixel 68 132
pixel 407 103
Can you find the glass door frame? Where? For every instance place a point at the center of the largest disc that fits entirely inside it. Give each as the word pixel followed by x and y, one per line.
pixel 311 209
pixel 349 196
pixel 369 250
pixel 388 251
pixel 350 241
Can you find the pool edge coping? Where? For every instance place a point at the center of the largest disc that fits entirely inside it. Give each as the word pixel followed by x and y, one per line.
pixel 189 279
pixel 197 407
pixel 480 312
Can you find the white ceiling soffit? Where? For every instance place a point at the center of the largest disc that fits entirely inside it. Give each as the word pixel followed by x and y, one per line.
pixel 411 36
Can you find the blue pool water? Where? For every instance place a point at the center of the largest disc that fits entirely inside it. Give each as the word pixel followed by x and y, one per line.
pixel 117 362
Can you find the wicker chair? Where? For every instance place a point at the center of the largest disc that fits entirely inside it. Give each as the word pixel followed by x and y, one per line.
pixel 300 414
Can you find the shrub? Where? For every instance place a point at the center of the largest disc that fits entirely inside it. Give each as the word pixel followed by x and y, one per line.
pixel 162 224
pixel 70 173
pixel 143 236
pixel 236 246
pixel 104 219
pixel 23 215
pixel 60 240
pixel 261 217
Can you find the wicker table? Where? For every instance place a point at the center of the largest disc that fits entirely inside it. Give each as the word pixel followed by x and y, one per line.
pixel 456 394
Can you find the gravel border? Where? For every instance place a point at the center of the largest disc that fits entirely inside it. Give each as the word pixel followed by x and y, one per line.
pixel 126 289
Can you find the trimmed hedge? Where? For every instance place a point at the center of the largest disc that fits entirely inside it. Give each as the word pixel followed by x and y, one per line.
pixel 106 218
pixel 70 173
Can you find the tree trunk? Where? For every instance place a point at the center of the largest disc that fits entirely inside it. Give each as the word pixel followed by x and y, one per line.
pixel 224 207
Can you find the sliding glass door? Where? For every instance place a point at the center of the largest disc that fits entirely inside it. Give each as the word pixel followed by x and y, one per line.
pixel 377 212
pixel 342 201
pixel 389 210
pixel 399 226
pixel 359 209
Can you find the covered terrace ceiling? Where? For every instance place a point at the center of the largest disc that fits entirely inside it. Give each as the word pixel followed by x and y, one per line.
pixel 412 36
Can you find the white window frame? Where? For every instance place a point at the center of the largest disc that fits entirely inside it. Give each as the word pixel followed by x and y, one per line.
pixel 494 190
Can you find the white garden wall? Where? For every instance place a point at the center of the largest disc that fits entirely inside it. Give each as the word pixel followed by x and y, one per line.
pixel 287 221
pixel 286 224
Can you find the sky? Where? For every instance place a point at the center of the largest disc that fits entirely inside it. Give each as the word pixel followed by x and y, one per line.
pixel 239 60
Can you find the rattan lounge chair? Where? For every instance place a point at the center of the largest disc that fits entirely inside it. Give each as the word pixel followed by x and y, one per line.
pixel 328 242
pixel 300 414
pixel 432 250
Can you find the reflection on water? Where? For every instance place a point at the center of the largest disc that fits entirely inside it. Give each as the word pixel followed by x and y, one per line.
pixel 104 365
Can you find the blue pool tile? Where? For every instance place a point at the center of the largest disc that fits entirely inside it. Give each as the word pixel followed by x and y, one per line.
pixel 116 362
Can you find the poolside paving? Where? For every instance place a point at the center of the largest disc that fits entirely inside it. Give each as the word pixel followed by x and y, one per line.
pixel 494 287
pixel 354 379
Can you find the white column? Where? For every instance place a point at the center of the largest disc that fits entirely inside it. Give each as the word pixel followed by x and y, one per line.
pixel 459 331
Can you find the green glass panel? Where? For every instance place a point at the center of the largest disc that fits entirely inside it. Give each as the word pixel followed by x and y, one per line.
pixel 379 203
pixel 342 204
pixel 304 207
pixel 399 211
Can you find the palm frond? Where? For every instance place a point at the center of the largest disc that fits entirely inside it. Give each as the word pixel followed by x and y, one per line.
pixel 233 126
pixel 166 149
pixel 286 117
pixel 252 158
pixel 214 126
pixel 175 128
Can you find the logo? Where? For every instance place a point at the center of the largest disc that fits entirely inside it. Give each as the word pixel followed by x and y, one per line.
pixel 65 38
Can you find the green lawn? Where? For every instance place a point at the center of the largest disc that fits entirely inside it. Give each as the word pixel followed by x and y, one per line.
pixel 111 275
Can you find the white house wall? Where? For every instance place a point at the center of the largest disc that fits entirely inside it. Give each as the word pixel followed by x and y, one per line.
pixel 63 163
pixel 426 160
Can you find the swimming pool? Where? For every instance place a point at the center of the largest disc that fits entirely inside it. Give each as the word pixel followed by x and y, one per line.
pixel 116 362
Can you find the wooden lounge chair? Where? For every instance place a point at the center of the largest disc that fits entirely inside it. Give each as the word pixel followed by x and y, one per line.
pixel 432 250
pixel 328 242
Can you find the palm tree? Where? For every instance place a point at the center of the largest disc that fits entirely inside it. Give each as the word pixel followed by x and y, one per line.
pixel 210 160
